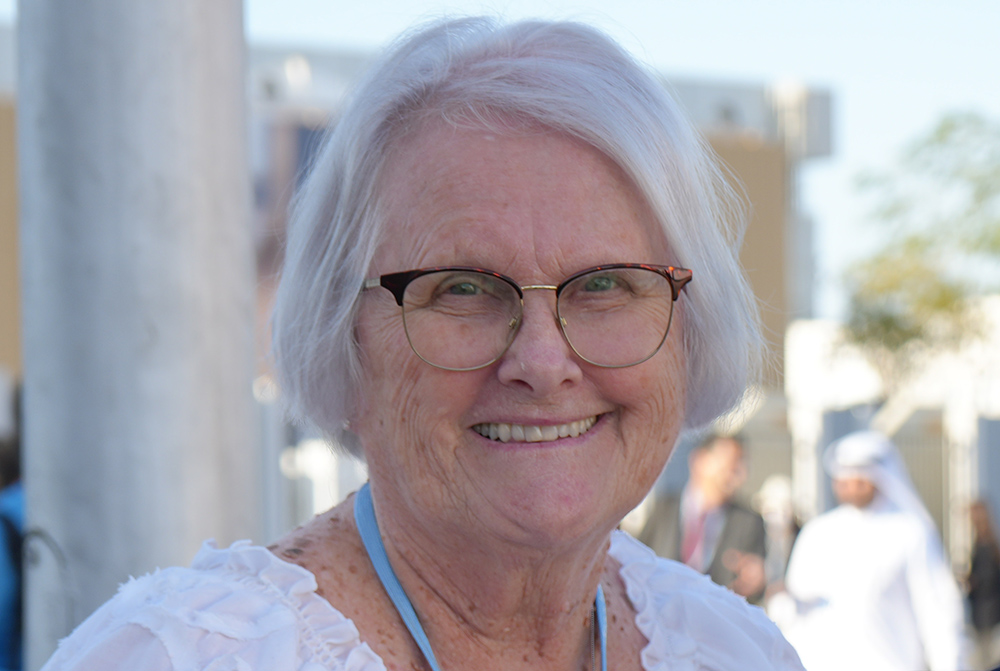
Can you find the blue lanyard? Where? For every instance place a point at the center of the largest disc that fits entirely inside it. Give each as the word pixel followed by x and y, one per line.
pixel 364 516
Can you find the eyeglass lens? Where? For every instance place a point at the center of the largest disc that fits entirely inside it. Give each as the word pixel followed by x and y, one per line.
pixel 462 320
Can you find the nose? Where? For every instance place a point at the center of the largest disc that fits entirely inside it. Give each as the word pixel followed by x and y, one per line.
pixel 540 360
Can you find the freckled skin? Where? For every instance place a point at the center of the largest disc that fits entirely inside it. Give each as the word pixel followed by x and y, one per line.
pixel 331 549
pixel 500 549
pixel 625 641
pixel 536 208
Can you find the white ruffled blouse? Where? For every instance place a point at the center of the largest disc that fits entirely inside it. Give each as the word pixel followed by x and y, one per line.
pixel 244 609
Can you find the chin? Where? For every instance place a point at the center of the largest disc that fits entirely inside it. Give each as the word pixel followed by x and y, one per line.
pixel 558 515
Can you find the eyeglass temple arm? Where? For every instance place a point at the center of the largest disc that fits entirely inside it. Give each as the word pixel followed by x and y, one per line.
pixel 395 284
pixel 679 277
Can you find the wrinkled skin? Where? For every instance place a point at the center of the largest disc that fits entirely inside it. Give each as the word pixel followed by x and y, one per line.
pixel 537 208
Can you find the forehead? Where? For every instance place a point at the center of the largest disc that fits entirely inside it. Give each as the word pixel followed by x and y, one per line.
pixel 473 196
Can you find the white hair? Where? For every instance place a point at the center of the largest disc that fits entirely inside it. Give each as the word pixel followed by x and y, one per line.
pixel 564 76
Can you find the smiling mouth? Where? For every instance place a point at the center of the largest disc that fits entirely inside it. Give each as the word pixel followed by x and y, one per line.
pixel 522 433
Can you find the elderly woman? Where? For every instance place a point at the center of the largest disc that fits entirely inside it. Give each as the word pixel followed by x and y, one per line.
pixel 510 284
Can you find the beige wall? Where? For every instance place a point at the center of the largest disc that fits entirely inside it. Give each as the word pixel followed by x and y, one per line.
pixel 763 170
pixel 10 303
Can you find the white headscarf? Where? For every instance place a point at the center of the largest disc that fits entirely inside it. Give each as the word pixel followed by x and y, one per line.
pixel 872 456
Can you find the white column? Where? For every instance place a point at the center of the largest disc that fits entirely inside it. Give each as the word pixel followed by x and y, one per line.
pixel 137 275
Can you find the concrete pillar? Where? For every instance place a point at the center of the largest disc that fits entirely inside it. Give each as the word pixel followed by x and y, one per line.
pixel 137 280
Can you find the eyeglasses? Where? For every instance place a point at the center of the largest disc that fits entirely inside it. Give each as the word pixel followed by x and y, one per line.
pixel 459 318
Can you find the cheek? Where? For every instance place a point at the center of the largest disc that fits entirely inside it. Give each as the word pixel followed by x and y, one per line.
pixel 663 387
pixel 652 419
pixel 409 415
pixel 387 375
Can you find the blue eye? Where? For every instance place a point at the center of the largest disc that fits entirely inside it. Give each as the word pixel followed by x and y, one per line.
pixel 464 289
pixel 600 283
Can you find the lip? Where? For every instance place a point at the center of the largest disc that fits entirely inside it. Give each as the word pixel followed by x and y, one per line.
pixel 507 433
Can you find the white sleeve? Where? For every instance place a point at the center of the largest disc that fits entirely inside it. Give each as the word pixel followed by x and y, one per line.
pixel 170 622
pixel 127 647
pixel 236 609
pixel 937 604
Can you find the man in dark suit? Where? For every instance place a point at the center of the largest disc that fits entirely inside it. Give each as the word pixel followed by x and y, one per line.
pixel 706 528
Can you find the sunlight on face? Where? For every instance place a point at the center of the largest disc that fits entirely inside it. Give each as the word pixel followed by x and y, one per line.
pixel 537 207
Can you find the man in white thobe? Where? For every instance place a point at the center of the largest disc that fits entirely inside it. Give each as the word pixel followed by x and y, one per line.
pixel 869 579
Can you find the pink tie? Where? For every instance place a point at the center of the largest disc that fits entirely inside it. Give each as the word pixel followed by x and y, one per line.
pixel 693 532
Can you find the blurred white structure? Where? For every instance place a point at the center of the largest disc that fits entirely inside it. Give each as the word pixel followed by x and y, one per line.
pixel 823 375
pixel 301 475
pixel 8 60
pixel 138 293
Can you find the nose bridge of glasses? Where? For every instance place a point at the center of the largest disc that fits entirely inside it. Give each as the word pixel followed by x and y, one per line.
pixel 549 287
pixel 534 287
pixel 537 287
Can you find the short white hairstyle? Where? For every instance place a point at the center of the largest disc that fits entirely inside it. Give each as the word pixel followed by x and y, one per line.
pixel 564 76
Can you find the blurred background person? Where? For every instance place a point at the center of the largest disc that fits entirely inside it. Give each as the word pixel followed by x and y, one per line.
pixel 983 584
pixel 707 528
pixel 870 583
pixel 11 525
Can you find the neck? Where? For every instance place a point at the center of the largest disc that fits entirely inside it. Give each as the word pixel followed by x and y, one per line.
pixel 499 600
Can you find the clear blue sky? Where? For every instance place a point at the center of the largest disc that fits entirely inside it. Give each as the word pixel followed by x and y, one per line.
pixel 893 66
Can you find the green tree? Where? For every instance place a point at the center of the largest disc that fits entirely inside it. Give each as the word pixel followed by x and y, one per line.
pixel 940 206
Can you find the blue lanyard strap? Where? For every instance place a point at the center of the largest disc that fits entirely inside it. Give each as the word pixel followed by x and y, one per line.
pixel 600 611
pixel 364 516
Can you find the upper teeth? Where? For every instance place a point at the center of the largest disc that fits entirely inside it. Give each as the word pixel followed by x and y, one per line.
pixel 520 433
